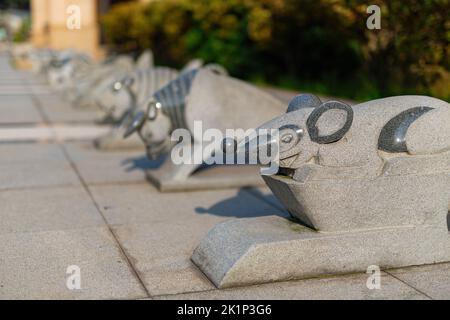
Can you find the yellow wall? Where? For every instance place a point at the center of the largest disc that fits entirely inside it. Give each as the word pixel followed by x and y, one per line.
pixel 49 18
pixel 49 29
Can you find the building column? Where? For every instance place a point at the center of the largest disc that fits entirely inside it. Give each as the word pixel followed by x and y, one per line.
pixel 50 26
pixel 40 23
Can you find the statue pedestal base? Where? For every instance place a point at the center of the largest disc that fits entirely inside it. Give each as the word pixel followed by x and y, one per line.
pixel 172 178
pixel 253 251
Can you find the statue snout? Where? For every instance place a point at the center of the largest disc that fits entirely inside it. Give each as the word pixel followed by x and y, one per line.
pixel 261 149
pixel 136 125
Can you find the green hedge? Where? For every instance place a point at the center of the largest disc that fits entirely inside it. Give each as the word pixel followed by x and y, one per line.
pixel 321 46
pixel 23 34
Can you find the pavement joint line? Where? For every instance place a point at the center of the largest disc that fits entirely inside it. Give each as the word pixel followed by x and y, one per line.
pixel 33 232
pixel 118 183
pixel 14 94
pixel 78 122
pixel 22 142
pixel 21 125
pixel 37 104
pixel 409 285
pixel 65 186
pixel 119 245
pixel 27 125
pixel 324 277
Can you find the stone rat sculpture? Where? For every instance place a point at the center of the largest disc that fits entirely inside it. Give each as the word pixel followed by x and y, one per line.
pixel 380 163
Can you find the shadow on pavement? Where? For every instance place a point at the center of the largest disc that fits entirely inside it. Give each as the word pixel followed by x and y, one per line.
pixel 239 206
pixel 142 163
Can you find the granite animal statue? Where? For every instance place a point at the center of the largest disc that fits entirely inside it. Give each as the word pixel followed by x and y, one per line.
pixel 41 59
pixel 379 163
pixel 67 66
pixel 114 73
pixel 77 77
pixel 122 94
pixel 84 87
pixel 205 95
pixel 119 97
pixel 119 100
pixel 366 185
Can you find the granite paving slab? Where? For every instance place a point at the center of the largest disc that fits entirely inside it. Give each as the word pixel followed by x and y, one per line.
pixel 18 109
pixel 142 203
pixel 100 167
pixel 34 165
pixel 57 110
pixel 34 175
pixel 350 287
pixel 18 90
pixel 160 231
pixel 34 266
pixel 30 153
pixel 160 253
pixel 47 209
pixel 432 280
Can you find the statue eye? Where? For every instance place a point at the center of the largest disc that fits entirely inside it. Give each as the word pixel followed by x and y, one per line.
pixel 291 134
pixel 153 108
pixel 287 138
pixel 117 86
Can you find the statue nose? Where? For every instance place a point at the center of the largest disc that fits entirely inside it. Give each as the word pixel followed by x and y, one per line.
pixel 136 125
pixel 256 150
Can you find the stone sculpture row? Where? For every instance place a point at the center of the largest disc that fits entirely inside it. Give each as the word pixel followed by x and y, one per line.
pixel 364 184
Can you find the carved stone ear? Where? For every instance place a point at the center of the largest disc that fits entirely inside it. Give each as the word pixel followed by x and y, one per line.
pixel 330 122
pixel 217 69
pixel 304 101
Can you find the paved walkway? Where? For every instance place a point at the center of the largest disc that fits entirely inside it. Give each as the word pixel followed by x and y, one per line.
pixel 66 204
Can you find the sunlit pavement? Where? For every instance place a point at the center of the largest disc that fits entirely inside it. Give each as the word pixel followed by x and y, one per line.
pixel 63 204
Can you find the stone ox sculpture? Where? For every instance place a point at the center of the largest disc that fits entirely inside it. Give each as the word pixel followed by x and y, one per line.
pixel 216 100
pixel 120 97
pixel 366 185
pixel 119 100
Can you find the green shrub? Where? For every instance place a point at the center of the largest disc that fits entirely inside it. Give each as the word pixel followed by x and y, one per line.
pixel 160 25
pixel 120 27
pixel 23 34
pixel 411 53
pixel 318 45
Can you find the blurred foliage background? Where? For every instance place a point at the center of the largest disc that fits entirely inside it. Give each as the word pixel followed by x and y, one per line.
pixel 15 4
pixel 320 46
pixel 23 33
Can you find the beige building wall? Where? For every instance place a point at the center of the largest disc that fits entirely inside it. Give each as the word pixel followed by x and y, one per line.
pixel 49 18
pixel 39 17
pixel 49 25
